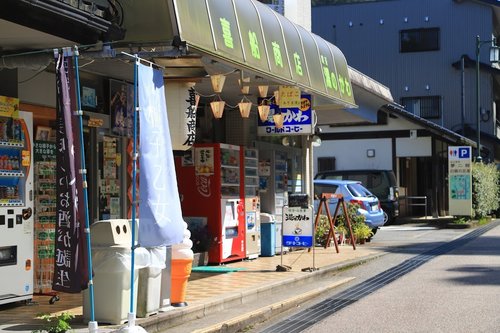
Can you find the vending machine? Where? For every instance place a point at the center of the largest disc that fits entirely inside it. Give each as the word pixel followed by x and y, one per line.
pixel 273 181
pixel 211 185
pixel 16 207
pixel 252 203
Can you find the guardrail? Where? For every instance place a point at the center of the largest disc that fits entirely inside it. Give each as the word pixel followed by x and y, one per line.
pixel 417 201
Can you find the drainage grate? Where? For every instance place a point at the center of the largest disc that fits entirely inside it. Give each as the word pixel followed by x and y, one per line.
pixel 318 312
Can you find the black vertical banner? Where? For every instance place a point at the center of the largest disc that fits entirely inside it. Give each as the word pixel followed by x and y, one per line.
pixel 70 273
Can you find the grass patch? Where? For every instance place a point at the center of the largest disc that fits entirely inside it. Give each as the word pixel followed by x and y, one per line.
pixel 484 220
pixel 461 220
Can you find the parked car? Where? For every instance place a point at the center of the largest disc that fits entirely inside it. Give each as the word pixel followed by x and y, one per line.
pixel 353 192
pixel 382 183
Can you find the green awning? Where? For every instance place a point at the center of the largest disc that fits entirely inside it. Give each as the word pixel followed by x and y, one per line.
pixel 252 36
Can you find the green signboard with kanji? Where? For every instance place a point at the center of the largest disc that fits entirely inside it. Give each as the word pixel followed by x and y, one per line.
pixel 251 34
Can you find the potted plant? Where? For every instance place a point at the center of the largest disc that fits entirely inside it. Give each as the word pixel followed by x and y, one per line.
pixel 342 231
pixel 358 225
pixel 57 323
pixel 322 230
pixel 362 232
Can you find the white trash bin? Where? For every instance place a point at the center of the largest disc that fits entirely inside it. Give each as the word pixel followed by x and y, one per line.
pixel 149 292
pixel 111 242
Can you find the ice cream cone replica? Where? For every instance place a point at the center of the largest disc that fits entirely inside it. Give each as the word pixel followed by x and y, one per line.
pixel 182 262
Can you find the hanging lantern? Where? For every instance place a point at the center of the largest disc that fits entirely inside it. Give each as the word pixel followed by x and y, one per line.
pixel 196 101
pixel 263 91
pixel 277 97
pixel 278 120
pixel 263 112
pixel 217 82
pixel 217 108
pixel 245 108
pixel 245 89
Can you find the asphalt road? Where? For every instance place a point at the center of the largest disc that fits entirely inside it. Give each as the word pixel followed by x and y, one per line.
pixel 455 289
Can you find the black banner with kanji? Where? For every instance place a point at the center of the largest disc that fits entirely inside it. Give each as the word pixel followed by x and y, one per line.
pixel 71 257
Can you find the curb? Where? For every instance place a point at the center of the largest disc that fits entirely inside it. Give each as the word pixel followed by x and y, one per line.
pixel 262 314
pixel 178 316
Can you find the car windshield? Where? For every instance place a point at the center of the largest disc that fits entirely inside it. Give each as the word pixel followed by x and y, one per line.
pixel 358 190
pixel 323 188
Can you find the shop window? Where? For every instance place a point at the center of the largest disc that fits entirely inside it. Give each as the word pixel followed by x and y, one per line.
pixel 419 40
pixel 326 163
pixel 428 107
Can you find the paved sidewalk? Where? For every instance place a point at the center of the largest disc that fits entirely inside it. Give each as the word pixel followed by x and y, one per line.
pixel 207 293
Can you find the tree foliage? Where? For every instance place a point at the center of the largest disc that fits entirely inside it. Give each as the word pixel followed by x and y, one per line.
pixel 485 189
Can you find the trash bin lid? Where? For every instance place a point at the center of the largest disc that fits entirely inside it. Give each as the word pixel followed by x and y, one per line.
pixel 267 218
pixel 111 232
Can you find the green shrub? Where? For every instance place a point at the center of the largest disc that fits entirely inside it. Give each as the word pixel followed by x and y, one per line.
pixel 362 231
pixel 461 220
pixel 485 189
pixel 358 225
pixel 57 323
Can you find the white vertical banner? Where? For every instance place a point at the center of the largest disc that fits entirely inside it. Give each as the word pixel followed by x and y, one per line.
pixel 182 98
pixel 160 215
pixel 460 180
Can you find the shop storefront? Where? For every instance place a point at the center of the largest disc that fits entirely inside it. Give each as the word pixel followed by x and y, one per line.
pixel 250 55
pixel 283 71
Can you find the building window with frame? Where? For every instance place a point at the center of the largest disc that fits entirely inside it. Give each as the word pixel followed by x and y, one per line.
pixel 326 163
pixel 419 40
pixel 428 107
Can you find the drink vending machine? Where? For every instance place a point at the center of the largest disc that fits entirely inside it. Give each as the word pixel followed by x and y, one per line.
pixel 211 185
pixel 273 189
pixel 16 208
pixel 252 203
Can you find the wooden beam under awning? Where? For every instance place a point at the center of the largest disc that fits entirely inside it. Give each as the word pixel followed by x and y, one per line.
pixel 42 115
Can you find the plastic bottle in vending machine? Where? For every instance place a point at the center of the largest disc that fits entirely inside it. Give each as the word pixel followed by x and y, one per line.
pixel 2 130
pixel 16 130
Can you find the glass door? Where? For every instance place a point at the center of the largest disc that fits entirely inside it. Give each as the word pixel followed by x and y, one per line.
pixel 110 178
pixel 106 176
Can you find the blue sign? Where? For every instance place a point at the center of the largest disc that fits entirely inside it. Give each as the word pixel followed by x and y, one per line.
pixel 297 121
pixel 464 152
pixel 459 153
pixel 297 226
pixel 297 241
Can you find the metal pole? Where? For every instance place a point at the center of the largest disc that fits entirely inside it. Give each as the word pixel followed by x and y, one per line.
pixel 134 184
pixel 478 103
pixel 462 67
pixel 93 327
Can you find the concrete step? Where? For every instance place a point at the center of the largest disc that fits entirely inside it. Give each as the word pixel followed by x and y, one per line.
pixel 235 317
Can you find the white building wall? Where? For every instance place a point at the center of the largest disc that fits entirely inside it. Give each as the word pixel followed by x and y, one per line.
pixel 299 11
pixel 417 147
pixel 352 154
pixel 393 124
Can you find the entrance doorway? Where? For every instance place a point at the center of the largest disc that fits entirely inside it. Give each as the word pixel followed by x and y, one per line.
pixel 106 161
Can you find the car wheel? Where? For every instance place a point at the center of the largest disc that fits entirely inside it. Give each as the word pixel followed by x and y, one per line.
pixel 386 217
pixel 374 230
